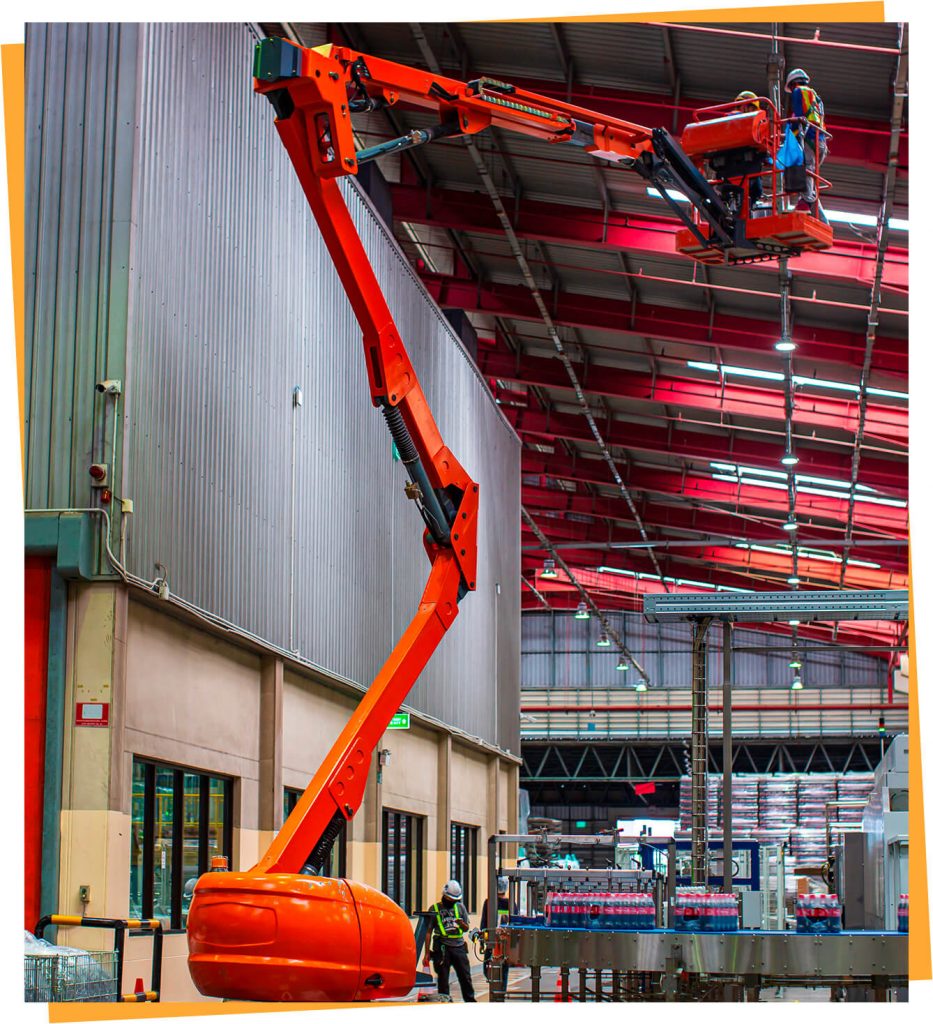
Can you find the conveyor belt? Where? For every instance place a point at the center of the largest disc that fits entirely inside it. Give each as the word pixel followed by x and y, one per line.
pixel 786 955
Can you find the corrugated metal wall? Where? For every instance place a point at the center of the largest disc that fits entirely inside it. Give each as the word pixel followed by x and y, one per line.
pixel 80 137
pixel 233 302
pixel 558 651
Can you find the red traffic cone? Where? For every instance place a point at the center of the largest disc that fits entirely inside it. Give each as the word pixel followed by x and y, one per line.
pixel 140 989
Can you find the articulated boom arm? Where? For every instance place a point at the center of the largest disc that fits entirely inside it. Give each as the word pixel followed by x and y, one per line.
pixel 445 494
pixel 330 83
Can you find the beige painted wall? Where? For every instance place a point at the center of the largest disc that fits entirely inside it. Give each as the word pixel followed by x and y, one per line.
pixel 195 700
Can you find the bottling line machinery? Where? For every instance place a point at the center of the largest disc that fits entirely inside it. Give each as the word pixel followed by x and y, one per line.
pixel 662 963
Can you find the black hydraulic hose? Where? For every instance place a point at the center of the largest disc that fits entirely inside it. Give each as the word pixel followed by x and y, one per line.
pixel 429 503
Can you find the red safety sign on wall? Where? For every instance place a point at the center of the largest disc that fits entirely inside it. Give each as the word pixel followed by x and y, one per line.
pixel 94 714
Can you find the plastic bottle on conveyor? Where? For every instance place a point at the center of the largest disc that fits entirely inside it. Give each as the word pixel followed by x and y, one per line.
pixel 619 912
pixel 556 916
pixel 803 911
pixel 646 911
pixel 903 913
pixel 597 907
pixel 827 915
pixel 688 912
pixel 578 910
pixel 722 913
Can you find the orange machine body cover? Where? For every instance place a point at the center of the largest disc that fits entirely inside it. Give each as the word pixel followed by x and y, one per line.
pixel 738 131
pixel 298 937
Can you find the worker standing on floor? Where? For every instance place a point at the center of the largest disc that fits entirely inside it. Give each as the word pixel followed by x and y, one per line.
pixel 806 110
pixel 502 918
pixel 445 941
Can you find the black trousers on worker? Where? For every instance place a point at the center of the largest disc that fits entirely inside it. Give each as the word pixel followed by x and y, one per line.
pixel 456 957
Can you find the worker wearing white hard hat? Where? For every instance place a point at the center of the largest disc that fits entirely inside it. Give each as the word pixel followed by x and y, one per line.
pixel 806 109
pixel 444 944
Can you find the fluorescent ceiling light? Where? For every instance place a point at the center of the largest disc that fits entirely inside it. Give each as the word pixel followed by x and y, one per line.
pixel 887 393
pixel 678 197
pixel 815 382
pixel 865 220
pixel 777 480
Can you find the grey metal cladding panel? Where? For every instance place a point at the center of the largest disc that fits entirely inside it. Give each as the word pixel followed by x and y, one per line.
pixel 236 302
pixel 80 135
pixel 664 651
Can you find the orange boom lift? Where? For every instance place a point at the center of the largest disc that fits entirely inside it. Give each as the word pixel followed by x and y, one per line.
pixel 280 931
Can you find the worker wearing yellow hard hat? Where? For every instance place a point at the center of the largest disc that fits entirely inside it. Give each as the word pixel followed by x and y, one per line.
pixel 751 101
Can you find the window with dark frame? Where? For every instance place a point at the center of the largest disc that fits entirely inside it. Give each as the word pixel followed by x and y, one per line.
pixel 464 840
pixel 336 866
pixel 180 819
pixel 403 859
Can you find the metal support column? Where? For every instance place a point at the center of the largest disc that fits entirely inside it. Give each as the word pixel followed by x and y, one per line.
pixel 700 754
pixel 727 757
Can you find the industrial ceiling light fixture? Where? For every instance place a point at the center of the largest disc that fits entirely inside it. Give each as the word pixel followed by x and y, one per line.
pixel 785 345
pixel 793 622
pixel 797 683
pixel 549 572
pixel 793 581
pixel 791 524
pixel 641 686
pixel 622 666
pixel 795 662
pixel 788 458
pixel 582 611
pixel 603 640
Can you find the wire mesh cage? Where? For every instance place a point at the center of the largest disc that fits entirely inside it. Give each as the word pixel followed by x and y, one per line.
pixel 86 977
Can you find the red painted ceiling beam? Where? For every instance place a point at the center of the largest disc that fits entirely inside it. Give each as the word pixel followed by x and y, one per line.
pixel 660 520
pixel 776 566
pixel 595 471
pixel 891 522
pixel 664 323
pixel 728 561
pixel 567 224
pixel 727 565
pixel 885 474
pixel 856 141
pixel 886 422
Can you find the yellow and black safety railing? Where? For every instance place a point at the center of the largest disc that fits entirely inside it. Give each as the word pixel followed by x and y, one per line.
pixel 120 926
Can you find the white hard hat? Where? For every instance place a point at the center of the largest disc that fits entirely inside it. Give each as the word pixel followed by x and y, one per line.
pixel 797 75
pixel 453 889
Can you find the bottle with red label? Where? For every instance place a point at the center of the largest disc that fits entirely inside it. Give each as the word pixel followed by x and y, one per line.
pixel 688 912
pixel 803 912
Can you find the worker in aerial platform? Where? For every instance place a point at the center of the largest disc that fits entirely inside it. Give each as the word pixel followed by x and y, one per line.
pixel 738 170
pixel 806 108
pixel 446 941
pixel 749 104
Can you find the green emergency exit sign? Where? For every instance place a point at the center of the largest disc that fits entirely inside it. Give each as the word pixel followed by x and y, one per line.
pixel 401 720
